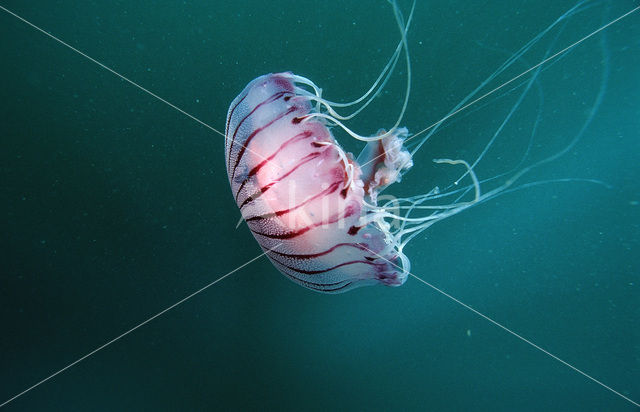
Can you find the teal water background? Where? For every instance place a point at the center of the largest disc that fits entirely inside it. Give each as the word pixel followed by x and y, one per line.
pixel 115 206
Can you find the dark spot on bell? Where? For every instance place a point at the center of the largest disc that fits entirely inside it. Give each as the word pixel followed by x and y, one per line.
pixel 353 230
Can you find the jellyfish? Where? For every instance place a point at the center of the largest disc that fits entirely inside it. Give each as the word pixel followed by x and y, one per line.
pixel 312 206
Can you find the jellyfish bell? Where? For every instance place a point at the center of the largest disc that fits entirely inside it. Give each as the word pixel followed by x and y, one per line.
pixel 309 203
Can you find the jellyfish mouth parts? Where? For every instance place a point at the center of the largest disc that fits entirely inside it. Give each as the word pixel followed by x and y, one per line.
pixel 388 275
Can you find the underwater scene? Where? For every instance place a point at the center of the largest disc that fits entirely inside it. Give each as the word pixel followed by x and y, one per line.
pixel 129 280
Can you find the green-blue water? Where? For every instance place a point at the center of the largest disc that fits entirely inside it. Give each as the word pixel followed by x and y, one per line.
pixel 115 206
